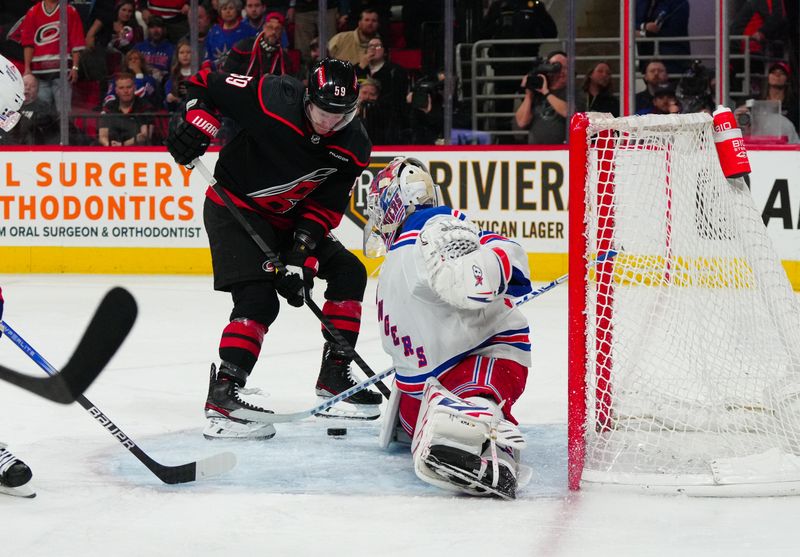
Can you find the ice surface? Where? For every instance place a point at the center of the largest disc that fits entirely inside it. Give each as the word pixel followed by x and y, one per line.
pixel 301 493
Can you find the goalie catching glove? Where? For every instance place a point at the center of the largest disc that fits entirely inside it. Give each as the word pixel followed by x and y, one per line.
pixel 192 136
pixel 464 273
pixel 301 268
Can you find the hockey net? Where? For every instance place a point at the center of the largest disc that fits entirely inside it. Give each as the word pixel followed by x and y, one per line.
pixel 684 329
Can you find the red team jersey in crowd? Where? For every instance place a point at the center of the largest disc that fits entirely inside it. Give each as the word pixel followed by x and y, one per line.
pixel 166 9
pixel 40 30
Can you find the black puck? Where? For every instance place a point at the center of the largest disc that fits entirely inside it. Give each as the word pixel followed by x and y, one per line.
pixel 337 431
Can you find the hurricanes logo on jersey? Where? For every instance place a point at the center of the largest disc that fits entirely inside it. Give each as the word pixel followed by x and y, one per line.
pixel 47 34
pixel 283 197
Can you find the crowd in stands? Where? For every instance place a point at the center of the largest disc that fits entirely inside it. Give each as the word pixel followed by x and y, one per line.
pixel 129 61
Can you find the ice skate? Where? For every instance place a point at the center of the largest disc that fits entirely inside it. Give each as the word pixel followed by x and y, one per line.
pixel 234 412
pixel 15 475
pixel 335 377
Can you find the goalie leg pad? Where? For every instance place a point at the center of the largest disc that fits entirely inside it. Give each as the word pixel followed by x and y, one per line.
pixel 465 445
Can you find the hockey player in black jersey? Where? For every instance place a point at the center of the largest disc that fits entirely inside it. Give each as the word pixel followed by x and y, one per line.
pixel 290 170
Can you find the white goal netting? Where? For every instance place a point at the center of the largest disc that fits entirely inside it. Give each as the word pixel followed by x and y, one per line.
pixel 692 328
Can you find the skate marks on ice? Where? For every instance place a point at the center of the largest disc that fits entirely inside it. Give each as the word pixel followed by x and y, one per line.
pixel 303 459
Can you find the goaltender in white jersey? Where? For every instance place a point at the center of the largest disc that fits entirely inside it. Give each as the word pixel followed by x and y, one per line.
pixel 14 474
pixel 460 348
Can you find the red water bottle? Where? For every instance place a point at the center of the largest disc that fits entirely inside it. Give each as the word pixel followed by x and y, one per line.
pixel 729 143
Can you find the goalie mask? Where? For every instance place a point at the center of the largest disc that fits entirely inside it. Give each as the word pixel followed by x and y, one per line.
pixel 12 95
pixel 398 190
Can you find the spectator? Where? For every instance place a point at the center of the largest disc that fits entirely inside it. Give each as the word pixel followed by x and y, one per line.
pixel 179 74
pixel 654 77
pixel 305 16
pixel 113 32
pixel 223 35
pixel 306 66
pixel 254 11
pixel 121 122
pixel 348 21
pixel 38 124
pixel 426 117
pixel 373 114
pixel 40 38
pixel 766 25
pixel 598 91
pixel 514 19
pixel 203 26
pixel 262 54
pixel 173 14
pixel 118 29
pixel 145 86
pixel 779 88
pixel 660 19
pixel 352 45
pixel 664 102
pixel 157 50
pixel 543 111
pixel 393 82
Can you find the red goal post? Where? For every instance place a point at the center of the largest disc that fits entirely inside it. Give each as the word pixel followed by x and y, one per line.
pixel 684 348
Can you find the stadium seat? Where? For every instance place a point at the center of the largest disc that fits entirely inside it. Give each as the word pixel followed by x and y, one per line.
pixel 408 58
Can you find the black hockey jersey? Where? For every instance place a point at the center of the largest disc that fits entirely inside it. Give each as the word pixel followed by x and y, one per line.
pixel 277 165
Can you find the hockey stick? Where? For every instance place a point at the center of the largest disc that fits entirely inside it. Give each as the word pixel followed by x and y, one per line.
pixel 291 417
pixel 560 280
pixel 189 472
pixel 281 268
pixel 110 325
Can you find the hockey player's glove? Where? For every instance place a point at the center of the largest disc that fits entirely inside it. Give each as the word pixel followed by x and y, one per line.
pixel 301 268
pixel 192 136
pixel 1 310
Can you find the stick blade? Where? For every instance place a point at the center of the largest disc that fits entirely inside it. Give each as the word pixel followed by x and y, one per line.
pixel 215 465
pixel 110 325
pixel 199 470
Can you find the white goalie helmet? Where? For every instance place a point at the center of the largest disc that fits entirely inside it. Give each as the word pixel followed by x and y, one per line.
pixel 12 95
pixel 398 190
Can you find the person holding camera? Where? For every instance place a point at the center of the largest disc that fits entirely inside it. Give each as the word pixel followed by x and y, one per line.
pixel 426 114
pixel 543 111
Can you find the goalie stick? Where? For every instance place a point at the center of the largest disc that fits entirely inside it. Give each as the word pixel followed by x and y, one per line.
pixel 110 325
pixel 329 402
pixel 183 473
pixel 610 254
pixel 281 268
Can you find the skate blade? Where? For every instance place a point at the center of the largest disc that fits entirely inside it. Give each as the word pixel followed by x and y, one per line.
pixel 25 491
pixel 448 472
pixel 346 411
pixel 222 428
pixel 524 475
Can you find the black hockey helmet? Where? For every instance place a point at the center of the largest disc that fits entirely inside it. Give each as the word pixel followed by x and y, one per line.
pixel 332 95
pixel 333 86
